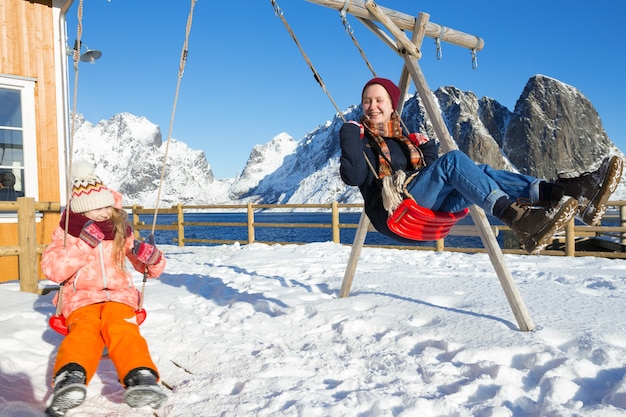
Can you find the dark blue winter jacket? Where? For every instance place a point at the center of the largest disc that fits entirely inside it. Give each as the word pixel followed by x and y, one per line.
pixel 354 170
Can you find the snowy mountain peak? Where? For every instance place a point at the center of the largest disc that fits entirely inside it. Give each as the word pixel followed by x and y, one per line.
pixel 263 160
pixel 548 118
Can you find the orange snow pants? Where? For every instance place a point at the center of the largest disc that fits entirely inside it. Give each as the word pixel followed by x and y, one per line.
pixel 95 326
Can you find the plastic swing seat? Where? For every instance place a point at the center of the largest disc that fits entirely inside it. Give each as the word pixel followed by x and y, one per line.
pixel 57 321
pixel 414 222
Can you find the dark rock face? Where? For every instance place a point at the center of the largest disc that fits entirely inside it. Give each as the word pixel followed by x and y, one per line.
pixel 475 136
pixel 554 128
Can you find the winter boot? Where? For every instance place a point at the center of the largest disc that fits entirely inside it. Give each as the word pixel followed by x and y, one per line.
pixel 69 390
pixel 142 389
pixel 535 226
pixel 593 189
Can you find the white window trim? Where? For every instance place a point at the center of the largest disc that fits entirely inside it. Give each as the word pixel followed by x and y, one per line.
pixel 26 85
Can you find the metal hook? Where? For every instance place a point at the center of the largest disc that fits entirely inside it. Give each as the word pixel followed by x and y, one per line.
pixel 438 43
pixel 277 10
pixel 342 12
pixel 474 59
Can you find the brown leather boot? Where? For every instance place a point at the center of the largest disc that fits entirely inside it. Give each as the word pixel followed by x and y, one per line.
pixel 593 189
pixel 535 226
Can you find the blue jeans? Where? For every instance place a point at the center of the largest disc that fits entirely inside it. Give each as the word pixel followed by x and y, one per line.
pixel 454 182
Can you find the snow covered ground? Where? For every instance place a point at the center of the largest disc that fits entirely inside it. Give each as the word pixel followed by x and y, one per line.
pixel 259 330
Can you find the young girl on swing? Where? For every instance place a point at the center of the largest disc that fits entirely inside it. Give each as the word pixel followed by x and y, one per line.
pixel 453 182
pixel 97 296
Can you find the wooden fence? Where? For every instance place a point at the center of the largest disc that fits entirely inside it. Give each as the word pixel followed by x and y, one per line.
pixel 566 244
pixel 27 250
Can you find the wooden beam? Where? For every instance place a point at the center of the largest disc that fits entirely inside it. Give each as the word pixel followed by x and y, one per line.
pixel 401 39
pixel 407 22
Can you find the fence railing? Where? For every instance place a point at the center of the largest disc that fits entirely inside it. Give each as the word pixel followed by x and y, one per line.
pixel 27 249
pixel 565 244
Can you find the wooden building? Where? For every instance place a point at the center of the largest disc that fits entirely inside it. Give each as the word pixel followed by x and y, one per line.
pixel 34 112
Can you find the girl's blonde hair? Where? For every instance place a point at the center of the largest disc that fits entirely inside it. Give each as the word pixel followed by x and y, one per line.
pixel 119 218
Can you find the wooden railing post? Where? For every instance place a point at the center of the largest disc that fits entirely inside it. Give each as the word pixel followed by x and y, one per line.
pixel 335 222
pixel 439 245
pixel 135 218
pixel 570 239
pixel 180 219
pixel 27 240
pixel 250 223
pixel 622 223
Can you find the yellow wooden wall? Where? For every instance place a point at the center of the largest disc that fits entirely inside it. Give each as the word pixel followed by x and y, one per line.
pixel 27 48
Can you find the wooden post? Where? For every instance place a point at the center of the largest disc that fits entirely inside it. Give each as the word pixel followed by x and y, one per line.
pixel 180 219
pixel 27 240
pixel 357 245
pixel 622 223
pixel 135 218
pixel 250 223
pixel 570 239
pixel 335 222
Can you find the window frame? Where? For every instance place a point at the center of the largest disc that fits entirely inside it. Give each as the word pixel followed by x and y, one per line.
pixel 26 87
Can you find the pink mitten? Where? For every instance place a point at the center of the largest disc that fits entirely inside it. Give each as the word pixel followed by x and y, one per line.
pixel 147 252
pixel 91 234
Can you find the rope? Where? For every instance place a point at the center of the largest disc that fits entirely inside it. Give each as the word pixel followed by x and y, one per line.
pixel 350 32
pixel 181 71
pixel 278 11
pixel 76 57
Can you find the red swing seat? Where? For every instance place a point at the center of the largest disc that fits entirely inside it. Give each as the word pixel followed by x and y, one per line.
pixel 57 321
pixel 414 222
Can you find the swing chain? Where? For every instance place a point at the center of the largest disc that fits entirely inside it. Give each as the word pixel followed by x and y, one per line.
pixel 279 13
pixel 350 32
pixel 181 70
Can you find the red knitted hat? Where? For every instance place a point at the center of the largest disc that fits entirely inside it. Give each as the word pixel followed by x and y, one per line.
pixel 392 89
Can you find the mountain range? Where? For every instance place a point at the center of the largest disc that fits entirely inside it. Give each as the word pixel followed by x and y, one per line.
pixel 553 128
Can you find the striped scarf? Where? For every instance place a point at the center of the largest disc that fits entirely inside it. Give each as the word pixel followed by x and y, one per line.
pixel 392 129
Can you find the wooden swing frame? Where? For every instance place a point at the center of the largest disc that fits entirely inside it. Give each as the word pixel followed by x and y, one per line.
pixel 409 49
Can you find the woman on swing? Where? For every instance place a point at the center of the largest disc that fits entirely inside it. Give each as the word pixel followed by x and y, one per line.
pixel 453 182
pixel 98 299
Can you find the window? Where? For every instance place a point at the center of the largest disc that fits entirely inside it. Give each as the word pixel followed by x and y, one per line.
pixel 18 147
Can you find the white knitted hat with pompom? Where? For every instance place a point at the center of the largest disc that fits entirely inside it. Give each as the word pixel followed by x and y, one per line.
pixel 88 191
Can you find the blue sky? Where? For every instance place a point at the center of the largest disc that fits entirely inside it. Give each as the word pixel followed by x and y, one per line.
pixel 245 80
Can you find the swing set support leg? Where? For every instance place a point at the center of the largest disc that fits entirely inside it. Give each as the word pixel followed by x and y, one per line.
pixel 478 216
pixel 355 252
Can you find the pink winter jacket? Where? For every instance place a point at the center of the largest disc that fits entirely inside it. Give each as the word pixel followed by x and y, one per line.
pixel 93 276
